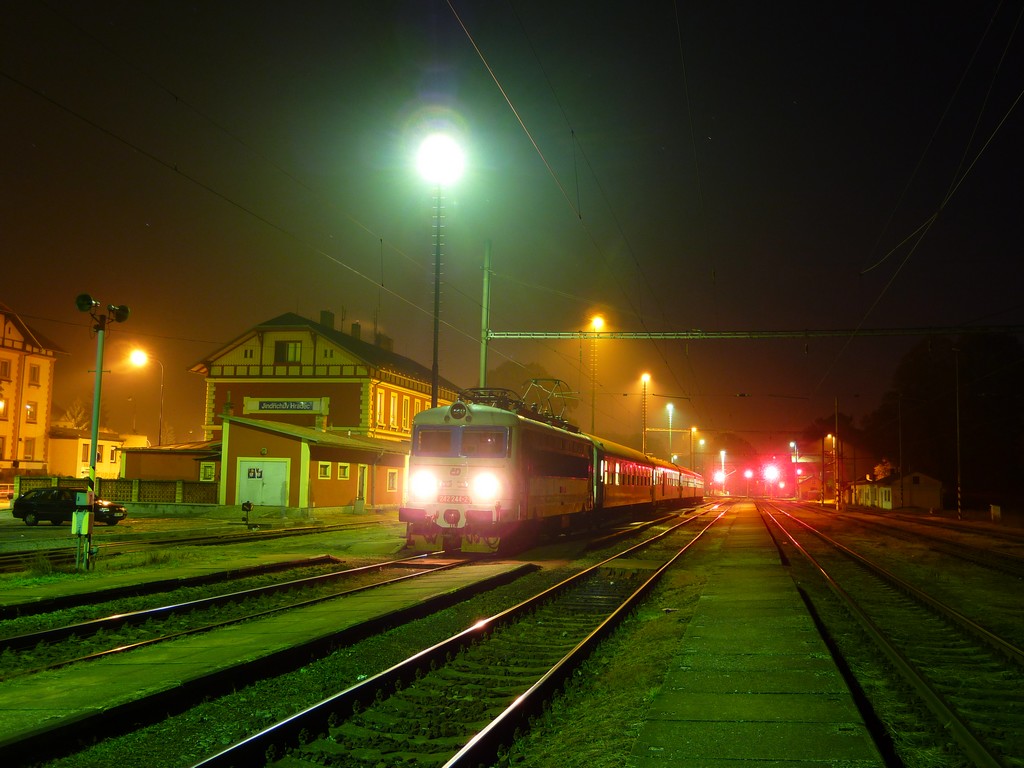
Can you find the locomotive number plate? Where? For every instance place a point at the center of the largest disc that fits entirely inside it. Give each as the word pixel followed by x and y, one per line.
pixel 450 498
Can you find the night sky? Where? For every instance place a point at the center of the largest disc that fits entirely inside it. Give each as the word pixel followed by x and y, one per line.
pixel 723 166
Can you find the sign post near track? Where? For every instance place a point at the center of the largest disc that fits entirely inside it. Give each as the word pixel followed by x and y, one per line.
pixel 82 518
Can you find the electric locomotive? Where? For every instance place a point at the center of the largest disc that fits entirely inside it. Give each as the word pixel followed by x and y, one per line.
pixel 488 470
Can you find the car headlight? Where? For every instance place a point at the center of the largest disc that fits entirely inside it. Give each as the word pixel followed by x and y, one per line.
pixel 486 487
pixel 423 486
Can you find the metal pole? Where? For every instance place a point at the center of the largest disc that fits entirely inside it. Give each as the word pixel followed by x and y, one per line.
pixel 84 561
pixel 160 425
pixel 485 314
pixel 959 484
pixel 643 420
pixel 670 409
pixel 434 369
pixel 835 450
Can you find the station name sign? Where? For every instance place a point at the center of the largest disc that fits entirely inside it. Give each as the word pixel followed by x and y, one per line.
pixel 315 405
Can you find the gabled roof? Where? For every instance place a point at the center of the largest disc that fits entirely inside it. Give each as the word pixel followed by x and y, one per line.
pixel 320 437
pixel 372 355
pixel 65 432
pixel 34 341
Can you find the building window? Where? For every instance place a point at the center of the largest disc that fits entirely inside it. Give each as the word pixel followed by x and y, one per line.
pixel 394 411
pixel 29 448
pixel 31 412
pixel 5 370
pixel 248 354
pixel 33 375
pixel 392 480
pixel 405 413
pixel 343 470
pixel 2 446
pixel 915 480
pixel 207 471
pixel 328 353
pixel 85 453
pixel 324 470
pixel 113 454
pixel 3 410
pixel 287 351
pixel 380 407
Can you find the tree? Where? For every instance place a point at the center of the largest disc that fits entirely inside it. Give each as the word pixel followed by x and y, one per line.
pixel 955 410
pixel 77 415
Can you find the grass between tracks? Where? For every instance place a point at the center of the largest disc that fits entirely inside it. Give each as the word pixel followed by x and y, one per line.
pixel 596 719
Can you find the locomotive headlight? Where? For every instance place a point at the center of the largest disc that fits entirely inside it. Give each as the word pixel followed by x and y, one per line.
pixel 486 487
pixel 423 486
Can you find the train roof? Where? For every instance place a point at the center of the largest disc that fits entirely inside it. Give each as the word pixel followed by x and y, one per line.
pixel 504 408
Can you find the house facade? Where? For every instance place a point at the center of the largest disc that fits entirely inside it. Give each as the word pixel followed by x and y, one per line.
pixel 310 416
pixel 70 449
pixel 27 362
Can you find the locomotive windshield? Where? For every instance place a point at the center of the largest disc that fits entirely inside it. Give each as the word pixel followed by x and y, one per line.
pixel 469 442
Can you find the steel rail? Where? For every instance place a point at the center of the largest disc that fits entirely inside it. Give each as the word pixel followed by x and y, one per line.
pixel 290 732
pixel 950 720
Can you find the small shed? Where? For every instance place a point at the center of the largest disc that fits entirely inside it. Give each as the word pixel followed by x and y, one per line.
pixel 285 465
pixel 914 489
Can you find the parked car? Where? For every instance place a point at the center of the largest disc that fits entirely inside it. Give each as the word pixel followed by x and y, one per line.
pixel 57 505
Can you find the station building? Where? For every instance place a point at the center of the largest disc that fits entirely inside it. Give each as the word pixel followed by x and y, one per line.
pixel 305 416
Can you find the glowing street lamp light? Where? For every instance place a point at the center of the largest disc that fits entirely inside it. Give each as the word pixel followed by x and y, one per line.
pixel 440 161
pixel 141 359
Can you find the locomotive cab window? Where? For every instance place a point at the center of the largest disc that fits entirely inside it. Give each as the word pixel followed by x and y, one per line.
pixel 471 442
pixel 488 443
pixel 435 442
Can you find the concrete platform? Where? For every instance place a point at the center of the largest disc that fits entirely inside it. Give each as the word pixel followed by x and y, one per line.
pixel 39 703
pixel 753 684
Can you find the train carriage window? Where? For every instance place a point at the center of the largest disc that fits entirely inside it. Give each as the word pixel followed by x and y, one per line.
pixel 435 442
pixel 487 443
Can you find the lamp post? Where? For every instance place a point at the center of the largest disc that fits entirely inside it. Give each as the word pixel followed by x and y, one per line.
pixel 644 380
pixel 82 519
pixel 140 359
pixel 670 409
pixel 700 447
pixel 440 161
pixel 597 323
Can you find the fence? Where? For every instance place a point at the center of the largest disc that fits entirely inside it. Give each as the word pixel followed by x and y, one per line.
pixel 117 489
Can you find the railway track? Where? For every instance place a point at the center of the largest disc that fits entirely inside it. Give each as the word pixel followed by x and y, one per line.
pixel 460 701
pixel 58 646
pixel 62 555
pixel 931 644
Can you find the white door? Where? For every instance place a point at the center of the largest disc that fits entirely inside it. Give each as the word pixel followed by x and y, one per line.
pixel 264 482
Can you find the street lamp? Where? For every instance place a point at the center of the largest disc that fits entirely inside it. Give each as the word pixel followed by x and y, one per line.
pixel 645 380
pixel 140 358
pixel 597 323
pixel 440 161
